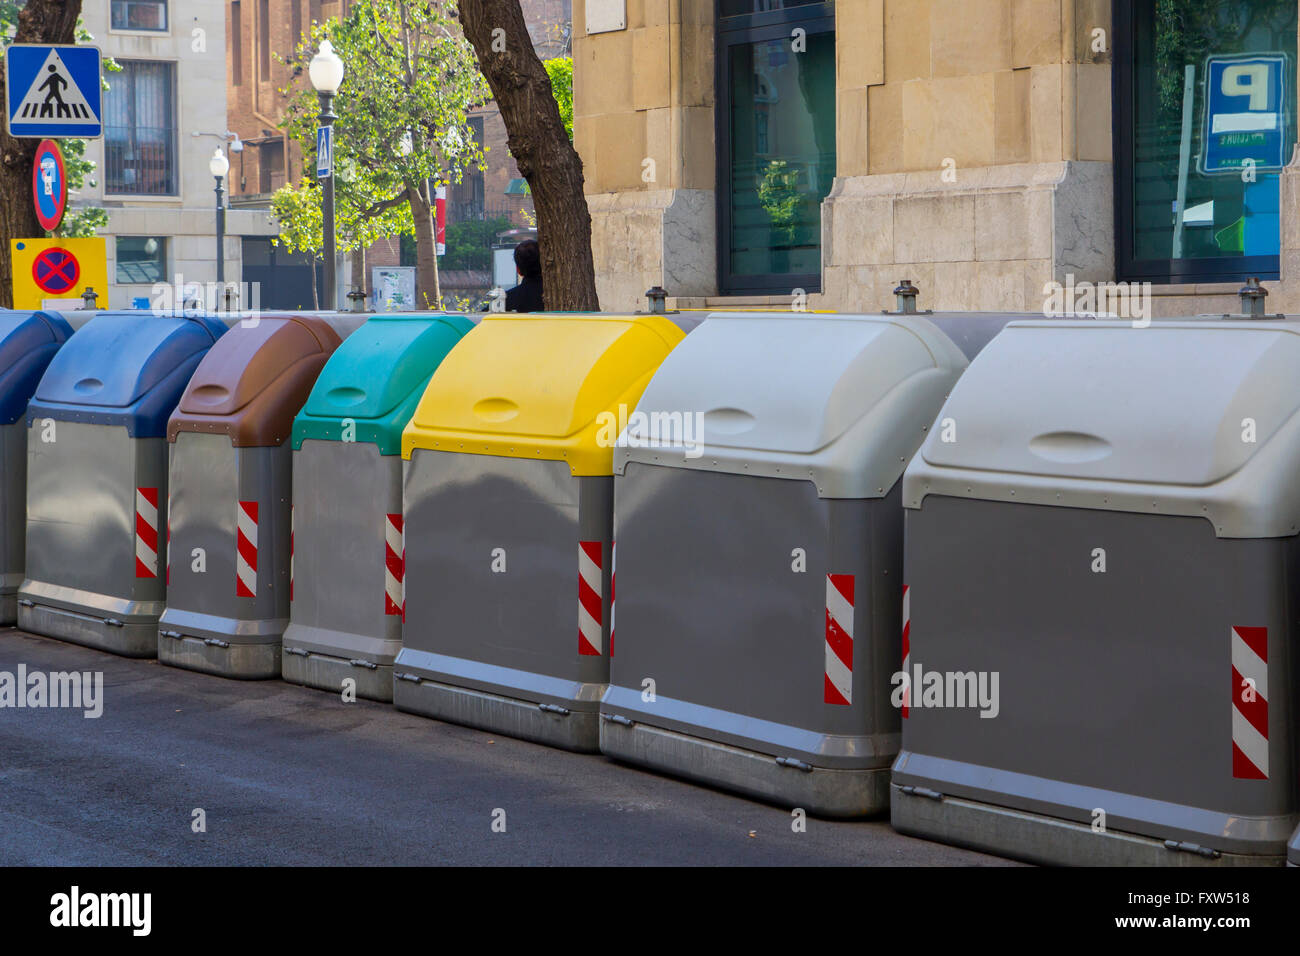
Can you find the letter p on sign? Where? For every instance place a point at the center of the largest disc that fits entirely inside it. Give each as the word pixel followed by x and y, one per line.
pixel 1248 79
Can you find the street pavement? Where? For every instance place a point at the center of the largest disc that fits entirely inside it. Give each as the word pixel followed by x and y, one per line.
pixel 291 776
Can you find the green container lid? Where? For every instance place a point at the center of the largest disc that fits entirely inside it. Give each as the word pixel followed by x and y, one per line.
pixel 376 377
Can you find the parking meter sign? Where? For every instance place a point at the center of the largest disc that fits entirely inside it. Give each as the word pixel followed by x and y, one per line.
pixel 1247 113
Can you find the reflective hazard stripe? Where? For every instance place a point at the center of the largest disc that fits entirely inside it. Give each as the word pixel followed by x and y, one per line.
pixel 394 565
pixel 146 532
pixel 246 549
pixel 907 649
pixel 590 617
pixel 838 685
pixel 1250 703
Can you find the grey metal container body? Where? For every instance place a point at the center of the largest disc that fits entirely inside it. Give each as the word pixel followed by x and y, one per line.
pixel 758 574
pixel 710 607
pixel 81 550
pixel 208 626
pixel 339 628
pixel 500 650
pixel 13 526
pixel 1293 851
pixel 1115 688
pixel 1169 453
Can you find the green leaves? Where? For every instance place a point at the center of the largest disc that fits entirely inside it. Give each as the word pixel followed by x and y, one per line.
pixel 560 70
pixel 409 81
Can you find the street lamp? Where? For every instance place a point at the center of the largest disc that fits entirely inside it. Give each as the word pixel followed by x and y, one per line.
pixel 218 166
pixel 326 72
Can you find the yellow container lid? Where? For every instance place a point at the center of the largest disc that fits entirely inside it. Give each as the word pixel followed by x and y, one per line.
pixel 545 386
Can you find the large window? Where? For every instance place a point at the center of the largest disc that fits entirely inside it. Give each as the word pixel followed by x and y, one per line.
pixel 776 135
pixel 141 260
pixel 139 15
pixel 140 130
pixel 1205 118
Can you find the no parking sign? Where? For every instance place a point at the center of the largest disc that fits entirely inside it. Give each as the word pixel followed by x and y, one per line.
pixel 57 269
pixel 49 185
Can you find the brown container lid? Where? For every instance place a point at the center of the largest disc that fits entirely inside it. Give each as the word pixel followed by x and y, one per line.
pixel 255 379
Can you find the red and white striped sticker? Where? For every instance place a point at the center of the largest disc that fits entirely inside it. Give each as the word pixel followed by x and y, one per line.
pixel 146 532
pixel 246 549
pixel 839 639
pixel 1250 703
pixel 589 599
pixel 291 552
pixel 907 649
pixel 394 566
pixel 613 568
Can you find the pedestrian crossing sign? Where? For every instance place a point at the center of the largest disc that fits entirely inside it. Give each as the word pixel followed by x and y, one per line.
pixel 53 91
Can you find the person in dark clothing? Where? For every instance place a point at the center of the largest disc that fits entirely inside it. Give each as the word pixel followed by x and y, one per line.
pixel 527 296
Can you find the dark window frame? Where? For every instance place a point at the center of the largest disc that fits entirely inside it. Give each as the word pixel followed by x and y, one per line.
pixel 117 261
pixel 166 17
pixel 739 31
pixel 1227 269
pixel 173 180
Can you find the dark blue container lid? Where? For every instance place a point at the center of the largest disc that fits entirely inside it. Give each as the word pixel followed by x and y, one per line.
pixel 125 368
pixel 28 340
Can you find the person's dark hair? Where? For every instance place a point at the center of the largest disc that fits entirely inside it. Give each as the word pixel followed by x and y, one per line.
pixel 528 259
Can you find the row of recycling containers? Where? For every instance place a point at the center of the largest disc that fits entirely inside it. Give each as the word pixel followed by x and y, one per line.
pixel 1079 539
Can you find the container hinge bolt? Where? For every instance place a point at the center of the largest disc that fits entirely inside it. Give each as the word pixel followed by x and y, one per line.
pixel 796 764
pixel 213 642
pixel 299 651
pixel 113 622
pixel 554 709
pixel 174 635
pixel 1196 848
pixel 27 602
pixel 358 662
pixel 617 719
pixel 922 792
pixel 413 678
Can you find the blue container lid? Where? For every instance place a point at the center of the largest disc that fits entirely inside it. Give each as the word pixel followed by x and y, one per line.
pixel 125 368
pixel 28 340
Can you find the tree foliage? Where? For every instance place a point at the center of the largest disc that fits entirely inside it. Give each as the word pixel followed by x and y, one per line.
pixel 410 80
pixel 560 70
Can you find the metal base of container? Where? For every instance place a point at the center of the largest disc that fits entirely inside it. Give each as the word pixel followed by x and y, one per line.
pixel 1036 838
pixel 817 790
pixel 128 628
pixel 550 724
pixel 326 672
pixel 245 650
pixel 9 606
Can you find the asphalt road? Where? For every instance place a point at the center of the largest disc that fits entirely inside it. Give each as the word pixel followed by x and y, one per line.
pixel 289 776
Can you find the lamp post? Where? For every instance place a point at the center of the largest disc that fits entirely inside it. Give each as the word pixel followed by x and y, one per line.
pixel 326 72
pixel 218 166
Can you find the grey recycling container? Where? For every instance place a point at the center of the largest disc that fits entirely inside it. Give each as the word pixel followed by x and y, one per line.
pixel 507 501
pixel 758 551
pixel 97 478
pixel 1101 589
pixel 28 341
pixel 345 589
pixel 230 480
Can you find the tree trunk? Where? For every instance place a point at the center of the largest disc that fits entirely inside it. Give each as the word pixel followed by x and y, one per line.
pixel 41 21
pixel 428 287
pixel 540 146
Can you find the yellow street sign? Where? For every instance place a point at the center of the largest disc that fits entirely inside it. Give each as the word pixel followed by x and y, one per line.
pixel 58 269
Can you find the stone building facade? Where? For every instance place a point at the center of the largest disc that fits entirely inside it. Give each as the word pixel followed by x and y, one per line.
pixel 984 149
